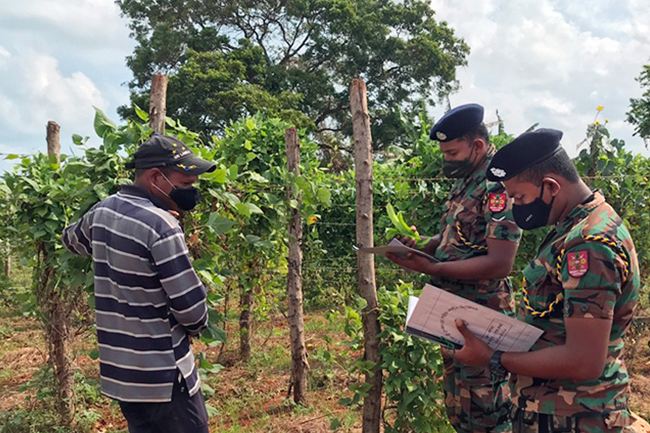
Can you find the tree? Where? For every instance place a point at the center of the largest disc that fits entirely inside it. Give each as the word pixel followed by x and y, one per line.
pixel 288 57
pixel 639 114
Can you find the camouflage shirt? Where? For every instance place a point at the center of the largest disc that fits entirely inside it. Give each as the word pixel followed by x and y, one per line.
pixel 590 258
pixel 477 210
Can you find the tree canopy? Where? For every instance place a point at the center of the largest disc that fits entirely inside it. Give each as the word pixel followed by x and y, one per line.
pixel 292 58
pixel 639 114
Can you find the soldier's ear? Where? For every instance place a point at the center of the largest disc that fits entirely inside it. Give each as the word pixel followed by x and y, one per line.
pixel 552 185
pixel 479 143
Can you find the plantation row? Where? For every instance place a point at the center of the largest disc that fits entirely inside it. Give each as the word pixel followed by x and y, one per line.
pixel 238 236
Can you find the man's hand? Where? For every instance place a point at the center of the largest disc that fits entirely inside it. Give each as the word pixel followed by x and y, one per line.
pixel 414 262
pixel 475 352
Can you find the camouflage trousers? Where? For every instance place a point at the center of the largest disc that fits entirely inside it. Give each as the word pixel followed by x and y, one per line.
pixel 532 422
pixel 473 403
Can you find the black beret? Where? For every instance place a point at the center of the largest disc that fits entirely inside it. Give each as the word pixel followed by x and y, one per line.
pixel 457 122
pixel 528 149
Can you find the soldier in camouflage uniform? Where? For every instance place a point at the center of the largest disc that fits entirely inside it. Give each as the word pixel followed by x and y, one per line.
pixel 476 247
pixel 581 290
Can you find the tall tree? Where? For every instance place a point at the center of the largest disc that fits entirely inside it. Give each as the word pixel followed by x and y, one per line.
pixel 639 114
pixel 292 58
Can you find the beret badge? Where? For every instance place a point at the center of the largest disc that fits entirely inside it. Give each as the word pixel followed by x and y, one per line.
pixel 498 172
pixel 441 136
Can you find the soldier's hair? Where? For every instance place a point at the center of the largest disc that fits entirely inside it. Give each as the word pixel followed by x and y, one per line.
pixel 559 164
pixel 165 170
pixel 479 131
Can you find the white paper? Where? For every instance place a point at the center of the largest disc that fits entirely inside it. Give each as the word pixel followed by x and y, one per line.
pixel 394 247
pixel 436 310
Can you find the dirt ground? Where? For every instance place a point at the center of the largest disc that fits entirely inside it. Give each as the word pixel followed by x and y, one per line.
pixel 247 397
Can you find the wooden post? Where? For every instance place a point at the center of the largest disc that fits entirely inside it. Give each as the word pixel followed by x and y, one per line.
pixel 366 262
pixel 158 103
pixel 55 311
pixel 53 140
pixel 299 364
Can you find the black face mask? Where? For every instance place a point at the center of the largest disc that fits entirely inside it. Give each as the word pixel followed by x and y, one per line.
pixel 532 215
pixel 185 198
pixel 458 169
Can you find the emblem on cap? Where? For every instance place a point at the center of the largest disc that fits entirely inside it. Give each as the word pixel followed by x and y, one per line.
pixel 441 135
pixel 498 172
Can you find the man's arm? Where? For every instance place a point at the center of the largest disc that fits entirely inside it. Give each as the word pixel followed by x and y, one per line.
pixel 497 263
pixel 186 292
pixel 76 237
pixel 590 298
pixel 582 357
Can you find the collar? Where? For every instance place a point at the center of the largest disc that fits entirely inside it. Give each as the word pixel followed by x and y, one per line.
pixel 580 212
pixel 143 193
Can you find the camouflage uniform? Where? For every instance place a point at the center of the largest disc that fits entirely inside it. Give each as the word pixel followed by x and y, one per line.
pixel 590 259
pixel 476 210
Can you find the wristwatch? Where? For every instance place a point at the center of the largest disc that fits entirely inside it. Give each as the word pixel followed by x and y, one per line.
pixel 497 371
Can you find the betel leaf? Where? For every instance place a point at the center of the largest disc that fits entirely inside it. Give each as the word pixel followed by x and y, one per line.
pixel 103 125
pixel 143 115
pixel 324 195
pixel 219 224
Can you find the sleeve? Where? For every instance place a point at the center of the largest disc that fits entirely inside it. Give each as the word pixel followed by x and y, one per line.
pixel 591 281
pixel 185 290
pixel 497 209
pixel 76 237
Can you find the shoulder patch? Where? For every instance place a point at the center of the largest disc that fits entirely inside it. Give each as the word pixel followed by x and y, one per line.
pixel 578 263
pixel 497 202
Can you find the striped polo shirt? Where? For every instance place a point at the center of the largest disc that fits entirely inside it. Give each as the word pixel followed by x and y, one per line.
pixel 148 299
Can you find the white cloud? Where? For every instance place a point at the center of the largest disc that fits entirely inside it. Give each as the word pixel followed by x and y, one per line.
pixel 34 91
pixel 58 59
pixel 552 62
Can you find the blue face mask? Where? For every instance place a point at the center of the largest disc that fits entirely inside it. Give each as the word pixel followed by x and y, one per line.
pixel 533 215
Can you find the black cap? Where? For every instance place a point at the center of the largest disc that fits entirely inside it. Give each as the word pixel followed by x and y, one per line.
pixel 457 122
pixel 528 149
pixel 165 151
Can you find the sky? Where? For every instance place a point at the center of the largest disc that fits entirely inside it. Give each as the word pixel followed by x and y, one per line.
pixel 550 62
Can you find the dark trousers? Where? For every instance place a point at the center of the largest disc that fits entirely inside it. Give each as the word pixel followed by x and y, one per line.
pixel 184 414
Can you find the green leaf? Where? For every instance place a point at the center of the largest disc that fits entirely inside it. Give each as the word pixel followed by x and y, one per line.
pixel 233 171
pixel 12 156
pixel 212 411
pixel 94 354
pixel 143 115
pixel 252 239
pixel 219 224
pixel 220 175
pixel 243 210
pixel 213 335
pixel 103 125
pixel 253 208
pixel 170 122
pixel 324 195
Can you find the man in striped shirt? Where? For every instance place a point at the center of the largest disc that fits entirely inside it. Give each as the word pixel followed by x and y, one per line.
pixel 148 299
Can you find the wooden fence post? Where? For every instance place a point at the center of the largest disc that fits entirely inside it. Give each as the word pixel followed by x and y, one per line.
pixel 299 364
pixel 158 103
pixel 54 140
pixel 366 262
pixel 55 310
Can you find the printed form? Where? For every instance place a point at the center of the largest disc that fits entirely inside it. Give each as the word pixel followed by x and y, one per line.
pixel 433 314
